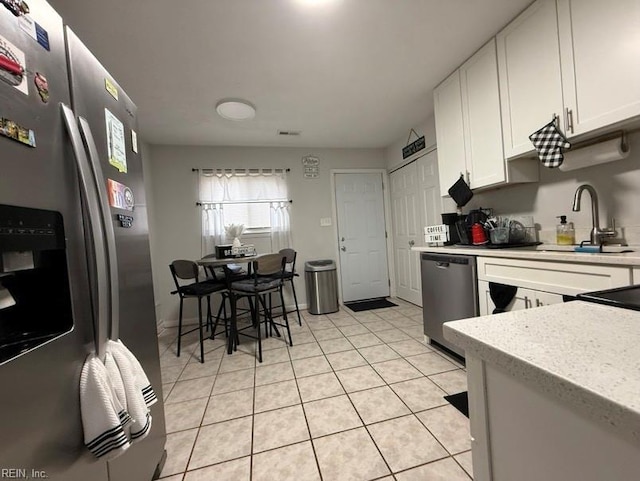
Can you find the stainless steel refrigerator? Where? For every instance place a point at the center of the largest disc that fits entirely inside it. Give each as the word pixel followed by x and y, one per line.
pixel 75 265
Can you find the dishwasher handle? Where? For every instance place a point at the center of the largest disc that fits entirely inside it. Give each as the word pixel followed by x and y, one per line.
pixel 442 265
pixel 447 259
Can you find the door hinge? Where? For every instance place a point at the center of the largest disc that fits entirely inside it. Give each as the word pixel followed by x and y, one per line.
pixel 389 282
pixel 385 235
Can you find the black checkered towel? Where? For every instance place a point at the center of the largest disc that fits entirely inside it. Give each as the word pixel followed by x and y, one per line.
pixel 549 142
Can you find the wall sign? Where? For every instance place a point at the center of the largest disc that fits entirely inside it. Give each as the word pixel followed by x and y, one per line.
pixel 311 166
pixel 413 147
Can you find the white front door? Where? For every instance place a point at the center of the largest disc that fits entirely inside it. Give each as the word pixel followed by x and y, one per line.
pixel 361 236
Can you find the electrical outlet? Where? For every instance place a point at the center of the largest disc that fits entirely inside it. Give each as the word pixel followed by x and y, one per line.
pixel 325 221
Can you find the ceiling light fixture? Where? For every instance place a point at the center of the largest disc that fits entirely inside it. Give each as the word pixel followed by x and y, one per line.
pixel 235 109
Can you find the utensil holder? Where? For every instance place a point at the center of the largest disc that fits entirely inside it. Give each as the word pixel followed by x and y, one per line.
pixel 499 235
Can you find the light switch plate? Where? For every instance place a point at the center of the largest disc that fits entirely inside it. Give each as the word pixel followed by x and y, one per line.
pixel 325 221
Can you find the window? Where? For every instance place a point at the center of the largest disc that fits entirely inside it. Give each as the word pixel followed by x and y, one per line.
pixel 256 198
pixel 254 216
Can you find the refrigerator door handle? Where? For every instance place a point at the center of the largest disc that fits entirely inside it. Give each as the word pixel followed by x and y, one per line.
pixel 110 238
pixel 100 284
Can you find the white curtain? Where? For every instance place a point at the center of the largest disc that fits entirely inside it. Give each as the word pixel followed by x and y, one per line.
pixel 238 185
pixel 280 226
pixel 235 186
pixel 212 227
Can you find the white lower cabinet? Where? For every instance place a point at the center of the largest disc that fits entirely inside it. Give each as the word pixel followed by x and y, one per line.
pixel 542 283
pixel 547 298
pixel 522 433
pixel 523 299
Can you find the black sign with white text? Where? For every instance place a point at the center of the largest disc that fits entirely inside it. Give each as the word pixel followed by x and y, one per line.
pixel 413 147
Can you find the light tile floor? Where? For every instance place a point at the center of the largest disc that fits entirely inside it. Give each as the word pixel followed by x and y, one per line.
pixel 358 397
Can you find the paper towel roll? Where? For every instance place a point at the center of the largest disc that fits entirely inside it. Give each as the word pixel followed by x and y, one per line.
pixel 595 154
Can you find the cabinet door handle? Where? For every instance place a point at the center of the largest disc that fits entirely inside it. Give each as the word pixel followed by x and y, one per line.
pixel 527 303
pixel 538 303
pixel 569 119
pixel 468 179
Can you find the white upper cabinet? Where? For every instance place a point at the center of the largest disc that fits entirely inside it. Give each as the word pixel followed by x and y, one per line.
pixel 469 129
pixel 467 112
pixel 447 99
pixel 600 51
pixel 481 118
pixel 577 59
pixel 529 73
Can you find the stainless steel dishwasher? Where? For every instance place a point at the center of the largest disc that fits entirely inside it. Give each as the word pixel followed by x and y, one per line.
pixel 449 292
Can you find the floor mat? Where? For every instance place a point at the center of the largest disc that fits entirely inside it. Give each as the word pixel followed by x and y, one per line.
pixel 358 306
pixel 459 401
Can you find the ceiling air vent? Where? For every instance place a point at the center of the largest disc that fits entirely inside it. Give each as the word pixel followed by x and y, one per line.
pixel 290 133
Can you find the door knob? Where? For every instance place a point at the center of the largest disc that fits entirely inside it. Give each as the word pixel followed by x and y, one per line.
pixel 343 249
pixel 412 243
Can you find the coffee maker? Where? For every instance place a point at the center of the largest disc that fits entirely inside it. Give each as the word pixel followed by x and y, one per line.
pixel 451 220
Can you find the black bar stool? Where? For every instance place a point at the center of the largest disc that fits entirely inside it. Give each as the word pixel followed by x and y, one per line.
pixel 185 271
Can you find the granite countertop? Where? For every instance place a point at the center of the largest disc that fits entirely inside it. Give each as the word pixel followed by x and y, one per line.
pixel 585 355
pixel 543 252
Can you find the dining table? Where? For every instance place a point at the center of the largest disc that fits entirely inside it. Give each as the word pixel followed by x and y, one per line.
pixel 215 262
pixel 225 263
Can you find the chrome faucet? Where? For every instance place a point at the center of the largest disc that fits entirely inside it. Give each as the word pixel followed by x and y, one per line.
pixel 597 235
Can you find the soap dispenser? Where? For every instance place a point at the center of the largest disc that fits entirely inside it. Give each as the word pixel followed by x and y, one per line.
pixel 565 233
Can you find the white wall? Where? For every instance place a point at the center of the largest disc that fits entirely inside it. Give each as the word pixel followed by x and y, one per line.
pixel 175 219
pixel 148 187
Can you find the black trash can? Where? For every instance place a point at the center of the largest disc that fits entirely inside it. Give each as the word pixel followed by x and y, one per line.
pixel 322 286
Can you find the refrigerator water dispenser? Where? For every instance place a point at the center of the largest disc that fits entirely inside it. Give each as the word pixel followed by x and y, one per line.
pixel 34 280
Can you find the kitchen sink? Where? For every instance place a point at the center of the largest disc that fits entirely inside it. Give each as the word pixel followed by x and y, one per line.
pixel 612 249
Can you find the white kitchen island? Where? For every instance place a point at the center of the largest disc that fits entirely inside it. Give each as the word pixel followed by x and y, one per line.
pixel 554 393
